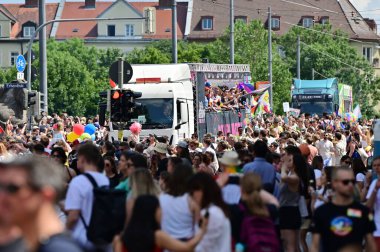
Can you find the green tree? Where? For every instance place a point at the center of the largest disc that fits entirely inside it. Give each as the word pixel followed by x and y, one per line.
pixel 76 75
pixel 331 55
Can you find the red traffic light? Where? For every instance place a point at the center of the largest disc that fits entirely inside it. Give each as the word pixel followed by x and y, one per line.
pixel 116 95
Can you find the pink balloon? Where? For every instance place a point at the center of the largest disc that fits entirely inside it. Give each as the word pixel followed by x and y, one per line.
pixel 78 129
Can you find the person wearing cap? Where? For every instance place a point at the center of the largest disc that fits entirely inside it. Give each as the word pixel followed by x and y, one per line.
pixel 161 149
pixel 182 150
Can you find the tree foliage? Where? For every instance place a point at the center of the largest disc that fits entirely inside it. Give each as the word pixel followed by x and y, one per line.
pixel 76 75
pixel 331 55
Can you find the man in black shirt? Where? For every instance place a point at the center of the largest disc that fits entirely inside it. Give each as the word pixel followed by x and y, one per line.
pixel 342 224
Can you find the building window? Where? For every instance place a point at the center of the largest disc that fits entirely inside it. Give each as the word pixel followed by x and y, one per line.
pixel 111 30
pixel 307 22
pixel 275 23
pixel 324 20
pixel 28 31
pixel 129 30
pixel 13 58
pixel 367 53
pixel 207 23
pixel 244 19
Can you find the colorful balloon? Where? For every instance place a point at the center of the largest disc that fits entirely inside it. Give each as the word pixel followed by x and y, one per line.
pixel 90 129
pixel 85 136
pixel 71 137
pixel 93 137
pixel 78 129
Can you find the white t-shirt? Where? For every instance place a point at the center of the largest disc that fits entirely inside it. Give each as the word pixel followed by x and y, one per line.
pixel 177 218
pixel 80 197
pixel 376 207
pixel 218 235
pixel 325 148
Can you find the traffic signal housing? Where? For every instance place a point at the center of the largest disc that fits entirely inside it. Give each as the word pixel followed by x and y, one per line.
pixel 116 105
pixel 122 104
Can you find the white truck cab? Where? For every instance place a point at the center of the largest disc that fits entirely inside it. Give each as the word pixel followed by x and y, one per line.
pixel 167 107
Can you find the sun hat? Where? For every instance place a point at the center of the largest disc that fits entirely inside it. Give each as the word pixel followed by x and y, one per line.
pixel 161 148
pixel 230 158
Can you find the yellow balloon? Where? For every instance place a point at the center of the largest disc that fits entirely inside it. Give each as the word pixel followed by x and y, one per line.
pixel 71 137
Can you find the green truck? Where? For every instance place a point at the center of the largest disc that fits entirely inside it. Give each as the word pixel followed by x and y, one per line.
pixel 321 96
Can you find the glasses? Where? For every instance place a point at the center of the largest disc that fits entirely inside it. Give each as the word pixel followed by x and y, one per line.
pixel 10 188
pixel 347 181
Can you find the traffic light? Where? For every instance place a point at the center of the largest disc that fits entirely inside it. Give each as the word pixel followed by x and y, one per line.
pixel 104 106
pixel 41 102
pixel 128 103
pixel 31 100
pixel 115 106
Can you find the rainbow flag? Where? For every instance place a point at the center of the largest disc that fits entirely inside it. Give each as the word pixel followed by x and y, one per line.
pixel 248 87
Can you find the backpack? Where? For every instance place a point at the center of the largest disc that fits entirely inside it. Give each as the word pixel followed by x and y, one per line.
pixel 107 215
pixel 258 233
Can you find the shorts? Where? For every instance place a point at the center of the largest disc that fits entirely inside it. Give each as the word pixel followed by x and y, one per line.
pixel 290 217
pixel 305 224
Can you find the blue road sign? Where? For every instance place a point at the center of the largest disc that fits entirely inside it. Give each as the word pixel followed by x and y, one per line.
pixel 20 63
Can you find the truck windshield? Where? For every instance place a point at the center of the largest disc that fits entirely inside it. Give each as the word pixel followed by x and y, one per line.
pixel 154 113
pixel 316 107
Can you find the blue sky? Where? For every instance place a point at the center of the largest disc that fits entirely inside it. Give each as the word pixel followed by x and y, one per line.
pixel 368 8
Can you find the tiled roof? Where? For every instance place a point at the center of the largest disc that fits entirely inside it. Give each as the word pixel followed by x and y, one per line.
pixel 24 14
pixel 290 15
pixel 88 30
pixel 82 29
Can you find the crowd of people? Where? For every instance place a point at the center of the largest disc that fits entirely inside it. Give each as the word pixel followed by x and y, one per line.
pixel 264 189
pixel 224 98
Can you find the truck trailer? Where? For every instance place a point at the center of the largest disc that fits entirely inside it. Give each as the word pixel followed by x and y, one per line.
pixel 173 99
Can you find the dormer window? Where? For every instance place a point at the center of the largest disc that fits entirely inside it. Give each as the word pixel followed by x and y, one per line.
pixel 28 29
pixel 276 24
pixel 307 22
pixel 324 20
pixel 207 23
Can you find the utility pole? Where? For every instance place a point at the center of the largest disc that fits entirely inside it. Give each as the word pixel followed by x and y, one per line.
pixel 43 58
pixel 270 56
pixel 298 57
pixel 232 31
pixel 312 73
pixel 120 72
pixel 174 31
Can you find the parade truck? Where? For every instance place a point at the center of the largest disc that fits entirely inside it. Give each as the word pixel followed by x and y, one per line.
pixel 321 96
pixel 171 100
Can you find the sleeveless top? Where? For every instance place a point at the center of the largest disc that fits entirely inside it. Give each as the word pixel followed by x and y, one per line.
pixel 177 219
pixel 288 197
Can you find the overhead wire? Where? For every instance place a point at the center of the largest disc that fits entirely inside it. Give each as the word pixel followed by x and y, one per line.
pixel 247 10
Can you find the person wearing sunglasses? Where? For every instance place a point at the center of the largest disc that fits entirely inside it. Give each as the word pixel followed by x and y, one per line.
pixel 343 223
pixel 30 187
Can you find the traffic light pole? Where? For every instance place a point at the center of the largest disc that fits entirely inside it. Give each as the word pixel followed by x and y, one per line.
pixel 120 63
pixel 41 26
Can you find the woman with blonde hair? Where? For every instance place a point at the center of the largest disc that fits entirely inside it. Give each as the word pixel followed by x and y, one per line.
pixel 255 215
pixel 141 183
